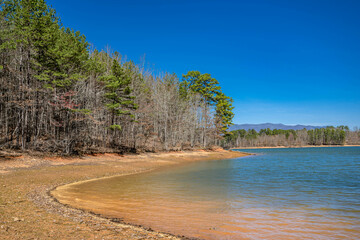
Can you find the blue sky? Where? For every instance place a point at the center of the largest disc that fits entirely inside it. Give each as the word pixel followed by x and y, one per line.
pixel 291 62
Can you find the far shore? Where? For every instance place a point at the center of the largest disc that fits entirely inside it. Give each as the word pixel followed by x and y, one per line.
pixel 28 211
pixel 304 146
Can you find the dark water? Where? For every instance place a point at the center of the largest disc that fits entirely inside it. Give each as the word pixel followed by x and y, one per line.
pixel 301 193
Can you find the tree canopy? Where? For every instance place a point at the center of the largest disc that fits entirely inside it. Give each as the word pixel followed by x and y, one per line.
pixel 57 95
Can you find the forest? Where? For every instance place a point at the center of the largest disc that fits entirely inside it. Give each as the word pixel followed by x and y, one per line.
pixel 340 135
pixel 59 94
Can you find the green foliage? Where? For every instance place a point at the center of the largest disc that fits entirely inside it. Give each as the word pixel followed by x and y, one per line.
pixel 321 136
pixel 62 89
pixel 208 88
pixel 115 127
pixel 117 92
pixel 274 132
pixel 202 84
pixel 83 111
pixel 224 114
pixel 56 53
pixel 251 134
pixel 327 136
pixel 343 127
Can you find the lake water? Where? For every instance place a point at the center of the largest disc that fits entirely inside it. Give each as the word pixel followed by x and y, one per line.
pixel 299 193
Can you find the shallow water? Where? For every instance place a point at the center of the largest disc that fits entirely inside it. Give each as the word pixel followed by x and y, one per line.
pixel 300 193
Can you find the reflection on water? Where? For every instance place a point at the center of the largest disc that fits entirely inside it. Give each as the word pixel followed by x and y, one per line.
pixel 309 193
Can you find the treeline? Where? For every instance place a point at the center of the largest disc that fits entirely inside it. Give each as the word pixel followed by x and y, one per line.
pixel 271 138
pixel 57 95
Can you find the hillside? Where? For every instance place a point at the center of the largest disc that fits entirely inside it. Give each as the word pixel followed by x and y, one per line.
pixel 272 126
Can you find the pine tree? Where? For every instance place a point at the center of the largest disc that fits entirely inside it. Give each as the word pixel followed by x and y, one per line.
pixel 224 114
pixel 117 94
pixel 209 89
pixel 202 84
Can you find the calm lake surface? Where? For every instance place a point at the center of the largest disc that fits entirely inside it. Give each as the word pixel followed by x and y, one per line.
pixel 298 193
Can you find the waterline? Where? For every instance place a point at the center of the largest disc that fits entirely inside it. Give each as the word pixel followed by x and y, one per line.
pixel 282 194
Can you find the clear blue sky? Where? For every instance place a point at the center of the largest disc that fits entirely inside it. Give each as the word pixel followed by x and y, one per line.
pixel 291 62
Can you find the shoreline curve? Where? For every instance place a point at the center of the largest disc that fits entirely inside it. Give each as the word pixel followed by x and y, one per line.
pixel 56 192
pixel 27 209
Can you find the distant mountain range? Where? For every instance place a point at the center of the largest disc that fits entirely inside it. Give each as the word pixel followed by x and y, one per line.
pixel 272 126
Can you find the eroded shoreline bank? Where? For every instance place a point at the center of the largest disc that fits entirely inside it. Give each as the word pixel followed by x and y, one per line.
pixel 27 211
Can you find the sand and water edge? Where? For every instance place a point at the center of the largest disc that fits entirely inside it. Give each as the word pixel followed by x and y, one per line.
pixel 29 210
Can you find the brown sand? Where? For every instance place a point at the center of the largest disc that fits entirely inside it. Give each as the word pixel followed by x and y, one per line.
pixel 27 211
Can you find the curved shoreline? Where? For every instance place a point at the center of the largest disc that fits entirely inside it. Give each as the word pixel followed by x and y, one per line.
pixel 56 194
pixel 116 221
pixel 38 215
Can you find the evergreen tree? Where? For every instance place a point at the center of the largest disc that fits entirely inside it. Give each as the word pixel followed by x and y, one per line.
pixel 224 114
pixel 117 94
pixel 202 84
pixel 208 88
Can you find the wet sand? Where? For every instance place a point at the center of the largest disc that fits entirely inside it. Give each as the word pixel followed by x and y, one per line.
pixel 27 211
pixel 164 201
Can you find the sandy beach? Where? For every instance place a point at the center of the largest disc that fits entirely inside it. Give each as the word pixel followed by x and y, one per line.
pixel 28 211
